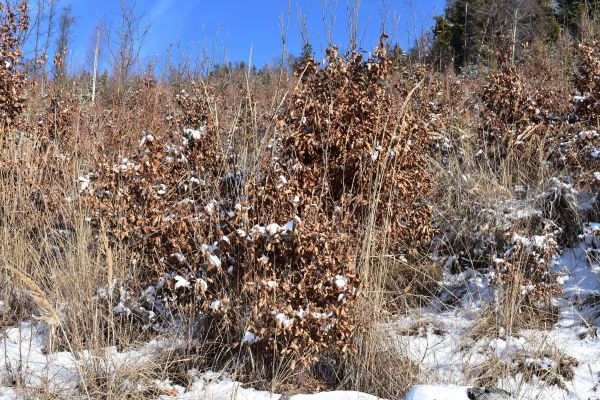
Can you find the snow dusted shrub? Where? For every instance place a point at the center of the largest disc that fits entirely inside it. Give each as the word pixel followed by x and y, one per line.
pixel 505 98
pixel 299 277
pixel 346 154
pixel 265 271
pixel 517 108
pixel 559 204
pixel 267 262
pixel 577 149
pixel 513 243
pixel 193 106
pixel 525 270
pixel 555 369
pixel 161 200
pixel 12 81
pixel 551 366
pixel 509 106
pixel 473 242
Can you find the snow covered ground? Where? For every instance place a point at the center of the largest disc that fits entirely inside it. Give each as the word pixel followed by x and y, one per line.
pixel 562 362
pixel 439 340
pixel 25 361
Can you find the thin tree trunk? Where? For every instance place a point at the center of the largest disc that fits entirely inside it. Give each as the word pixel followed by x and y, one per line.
pixel 514 37
pixel 52 11
pixel 465 46
pixel 95 67
pixel 38 21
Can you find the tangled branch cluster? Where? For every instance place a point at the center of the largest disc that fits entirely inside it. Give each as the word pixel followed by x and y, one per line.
pixel 350 142
pixel 588 80
pixel 12 80
pixel 526 267
pixel 270 258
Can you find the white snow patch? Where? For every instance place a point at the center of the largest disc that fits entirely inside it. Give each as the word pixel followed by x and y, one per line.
pixel 341 281
pixel 214 261
pixel 202 284
pixel 84 183
pixel 249 338
pixel 194 134
pixel 147 139
pixel 180 281
pixel 284 320
pixel 438 392
pixel 273 229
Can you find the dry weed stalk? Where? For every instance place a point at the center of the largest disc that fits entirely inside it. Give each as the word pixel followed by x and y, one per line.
pixel 50 315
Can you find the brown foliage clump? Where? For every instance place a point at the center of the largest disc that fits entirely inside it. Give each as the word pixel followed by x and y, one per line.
pixel 525 268
pixel 575 147
pixel 288 286
pixel 55 118
pixel 151 199
pixel 12 80
pixel 270 258
pixel 520 104
pixel 513 109
pixel 349 141
pixel 587 80
pixel 193 106
pixel 505 98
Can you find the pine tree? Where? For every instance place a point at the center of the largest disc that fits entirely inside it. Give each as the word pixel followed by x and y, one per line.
pixel 299 63
pixel 471 31
pixel 570 12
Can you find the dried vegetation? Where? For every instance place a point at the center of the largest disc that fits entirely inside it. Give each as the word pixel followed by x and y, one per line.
pixel 273 235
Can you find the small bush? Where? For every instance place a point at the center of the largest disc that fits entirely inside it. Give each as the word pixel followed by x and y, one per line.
pixel 270 258
pixel 525 268
pixel 12 81
pixel 587 80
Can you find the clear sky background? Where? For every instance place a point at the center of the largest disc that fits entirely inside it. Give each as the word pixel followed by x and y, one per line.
pixel 233 30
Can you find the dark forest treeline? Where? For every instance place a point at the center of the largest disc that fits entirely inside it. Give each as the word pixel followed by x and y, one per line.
pixel 471 31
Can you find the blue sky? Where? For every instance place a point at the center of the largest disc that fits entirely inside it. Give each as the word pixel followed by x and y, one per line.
pixel 233 30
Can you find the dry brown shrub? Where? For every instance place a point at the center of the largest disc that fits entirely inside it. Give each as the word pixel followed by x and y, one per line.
pixel 587 81
pixel 267 261
pixel 13 24
pixel 554 368
pixel 574 149
pixel 283 285
pixel 547 71
pixel 347 136
pixel 522 105
pixel 118 119
pixel 52 118
pixel 574 146
pixel 505 98
pixel 510 113
pixel 151 199
pixel 193 106
pixel 524 271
